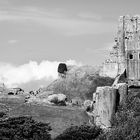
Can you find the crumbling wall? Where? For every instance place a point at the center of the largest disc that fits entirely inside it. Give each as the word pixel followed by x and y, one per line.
pixel 104 107
pixel 109 69
pixel 105 102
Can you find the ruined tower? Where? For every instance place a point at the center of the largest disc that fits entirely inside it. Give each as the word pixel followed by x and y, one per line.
pixel 126 52
pixel 120 42
pixel 128 40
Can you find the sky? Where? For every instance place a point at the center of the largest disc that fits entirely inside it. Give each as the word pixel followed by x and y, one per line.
pixel 35 35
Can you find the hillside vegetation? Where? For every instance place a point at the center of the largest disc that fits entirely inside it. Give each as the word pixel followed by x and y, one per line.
pixel 79 82
pixel 126 122
pixel 59 118
pixel 67 122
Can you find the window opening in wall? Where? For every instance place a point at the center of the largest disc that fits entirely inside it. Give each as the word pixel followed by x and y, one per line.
pixel 130 56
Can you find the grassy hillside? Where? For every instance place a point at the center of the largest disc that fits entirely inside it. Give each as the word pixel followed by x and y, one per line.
pixel 59 118
pixel 79 82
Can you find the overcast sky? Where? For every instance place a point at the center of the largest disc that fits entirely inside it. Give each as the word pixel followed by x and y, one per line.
pixel 59 30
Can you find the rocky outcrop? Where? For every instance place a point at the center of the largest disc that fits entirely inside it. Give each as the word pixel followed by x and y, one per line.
pixel 57 98
pixel 15 91
pixel 79 82
pixel 88 105
pixel 104 106
pixel 76 101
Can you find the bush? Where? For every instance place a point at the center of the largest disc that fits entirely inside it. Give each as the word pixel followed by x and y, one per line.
pixel 2 114
pixel 83 132
pixel 24 128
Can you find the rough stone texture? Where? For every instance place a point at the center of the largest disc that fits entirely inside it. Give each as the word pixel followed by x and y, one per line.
pixel 76 101
pixel 105 106
pixel 59 97
pixel 94 97
pixel 123 91
pixel 87 104
pixel 15 91
pixel 62 68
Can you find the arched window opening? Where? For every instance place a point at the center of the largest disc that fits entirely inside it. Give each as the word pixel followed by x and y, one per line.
pixel 130 56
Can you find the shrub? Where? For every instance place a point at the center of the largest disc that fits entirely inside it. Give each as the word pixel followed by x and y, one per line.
pixel 83 132
pixel 24 128
pixel 2 114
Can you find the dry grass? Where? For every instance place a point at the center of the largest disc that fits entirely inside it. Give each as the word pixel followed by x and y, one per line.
pixel 60 118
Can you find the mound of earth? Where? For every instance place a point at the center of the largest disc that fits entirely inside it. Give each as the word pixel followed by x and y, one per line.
pixel 80 82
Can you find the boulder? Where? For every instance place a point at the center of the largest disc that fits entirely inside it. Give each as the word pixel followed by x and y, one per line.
pixel 104 106
pixel 57 98
pixel 15 91
pixel 88 105
pixel 76 101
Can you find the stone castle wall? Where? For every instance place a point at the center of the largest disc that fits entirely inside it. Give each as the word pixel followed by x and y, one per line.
pixel 109 69
pixel 128 38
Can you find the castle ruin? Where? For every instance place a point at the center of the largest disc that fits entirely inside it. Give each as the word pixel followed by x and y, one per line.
pixel 125 55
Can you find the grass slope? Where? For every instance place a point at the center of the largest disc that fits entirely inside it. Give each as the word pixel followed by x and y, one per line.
pixel 59 118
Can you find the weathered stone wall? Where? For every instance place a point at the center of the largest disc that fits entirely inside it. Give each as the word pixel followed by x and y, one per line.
pixel 104 106
pixel 105 102
pixel 122 89
pixel 109 69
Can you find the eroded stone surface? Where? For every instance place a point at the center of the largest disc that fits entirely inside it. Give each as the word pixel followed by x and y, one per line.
pixel 104 106
pixel 123 91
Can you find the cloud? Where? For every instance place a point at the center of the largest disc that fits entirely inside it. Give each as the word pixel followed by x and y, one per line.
pixel 14 76
pixel 13 41
pixel 58 21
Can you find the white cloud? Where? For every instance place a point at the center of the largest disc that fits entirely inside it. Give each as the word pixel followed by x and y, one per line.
pixel 14 76
pixel 13 41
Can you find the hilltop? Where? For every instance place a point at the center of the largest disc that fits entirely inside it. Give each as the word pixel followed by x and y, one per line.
pixel 79 82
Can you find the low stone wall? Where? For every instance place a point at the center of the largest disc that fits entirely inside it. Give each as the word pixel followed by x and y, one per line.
pixel 104 106
pixel 105 102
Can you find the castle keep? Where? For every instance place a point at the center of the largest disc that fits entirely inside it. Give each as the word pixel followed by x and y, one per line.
pixel 125 54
